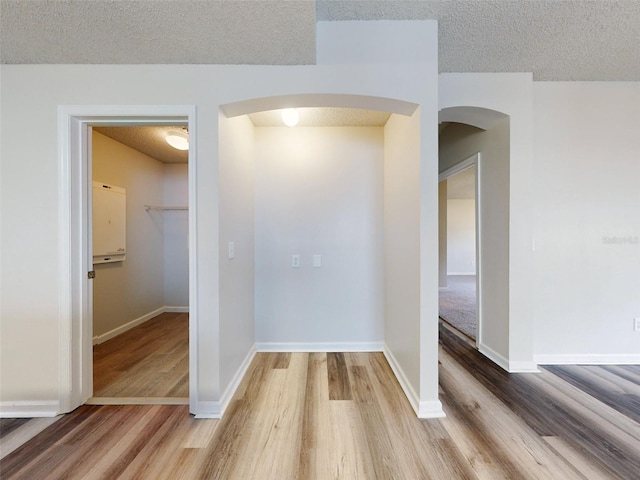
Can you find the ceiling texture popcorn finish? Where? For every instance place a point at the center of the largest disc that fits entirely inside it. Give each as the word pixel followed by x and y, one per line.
pixel 556 40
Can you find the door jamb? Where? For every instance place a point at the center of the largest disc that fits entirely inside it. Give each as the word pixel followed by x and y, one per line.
pixel 75 259
pixel 469 162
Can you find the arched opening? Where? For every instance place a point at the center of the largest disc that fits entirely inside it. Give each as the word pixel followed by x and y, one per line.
pixel 482 137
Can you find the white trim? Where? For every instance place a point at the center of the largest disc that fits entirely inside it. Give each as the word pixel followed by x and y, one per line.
pixel 458 167
pixel 169 309
pixel 138 401
pixel 320 347
pixel 29 409
pixel 431 409
pixel 462 274
pixel 75 341
pixel 422 408
pixel 408 390
pixel 98 339
pixel 588 359
pixel 494 356
pixel 523 367
pixel 207 409
pixel 235 382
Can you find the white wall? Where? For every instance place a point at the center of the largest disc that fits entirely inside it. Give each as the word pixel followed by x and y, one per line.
pixel 491 96
pixel 461 236
pixel 457 143
pixel 442 233
pixel 402 242
pixel 126 291
pixel 586 193
pixel 319 192
pixel 237 311
pixel 33 188
pixel 176 235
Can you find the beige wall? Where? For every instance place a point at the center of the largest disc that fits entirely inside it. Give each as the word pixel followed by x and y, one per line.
pixel 125 291
pixel 461 236
pixel 402 241
pixel 176 235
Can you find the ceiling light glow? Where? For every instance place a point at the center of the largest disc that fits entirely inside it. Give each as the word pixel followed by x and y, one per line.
pixel 290 117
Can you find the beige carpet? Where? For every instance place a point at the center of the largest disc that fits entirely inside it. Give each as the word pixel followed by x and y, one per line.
pixel 458 303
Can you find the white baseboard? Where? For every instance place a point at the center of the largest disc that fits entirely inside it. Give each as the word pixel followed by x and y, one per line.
pixel 237 378
pixel 207 409
pixel 467 274
pixel 424 408
pixel 588 359
pixel 320 347
pixel 523 367
pixel 134 323
pixel 494 356
pixel 169 309
pixel 431 409
pixel 29 409
pixel 505 364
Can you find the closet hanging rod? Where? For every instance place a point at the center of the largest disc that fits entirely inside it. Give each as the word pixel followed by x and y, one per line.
pixel 157 207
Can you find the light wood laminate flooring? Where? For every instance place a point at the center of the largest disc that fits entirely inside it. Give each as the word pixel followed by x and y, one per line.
pixel 344 416
pixel 150 360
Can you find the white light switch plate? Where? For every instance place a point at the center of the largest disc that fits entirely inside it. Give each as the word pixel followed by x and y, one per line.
pixel 232 250
pixel 317 261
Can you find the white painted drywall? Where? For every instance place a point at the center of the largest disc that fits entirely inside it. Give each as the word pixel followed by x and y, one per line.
pixel 32 188
pixel 236 177
pixel 176 235
pixel 319 192
pixel 457 143
pixel 586 192
pixel 442 234
pixel 509 94
pixel 126 291
pixel 402 241
pixel 461 236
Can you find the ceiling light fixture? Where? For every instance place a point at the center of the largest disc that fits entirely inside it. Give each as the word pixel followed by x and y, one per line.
pixel 178 139
pixel 290 117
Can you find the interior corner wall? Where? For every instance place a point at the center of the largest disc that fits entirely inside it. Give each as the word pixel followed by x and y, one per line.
pixel 587 224
pixel 127 291
pixel 319 192
pixel 176 235
pixel 457 143
pixel 237 277
pixel 402 243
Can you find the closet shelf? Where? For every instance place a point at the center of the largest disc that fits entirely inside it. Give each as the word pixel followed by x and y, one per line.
pixel 160 207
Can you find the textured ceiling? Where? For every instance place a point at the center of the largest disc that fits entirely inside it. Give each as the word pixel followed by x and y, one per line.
pixel 148 140
pixel 554 39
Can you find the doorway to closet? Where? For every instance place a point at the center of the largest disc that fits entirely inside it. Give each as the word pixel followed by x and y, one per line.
pixel 140 299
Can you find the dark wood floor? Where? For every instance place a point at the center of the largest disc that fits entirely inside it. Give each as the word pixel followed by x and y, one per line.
pixel 326 416
pixel 150 360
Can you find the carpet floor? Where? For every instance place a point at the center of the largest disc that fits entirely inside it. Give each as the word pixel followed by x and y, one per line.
pixel 458 303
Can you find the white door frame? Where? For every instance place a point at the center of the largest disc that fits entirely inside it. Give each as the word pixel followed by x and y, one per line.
pixel 473 161
pixel 75 256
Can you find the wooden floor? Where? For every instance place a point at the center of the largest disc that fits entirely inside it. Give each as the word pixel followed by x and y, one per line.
pixel 150 360
pixel 344 416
